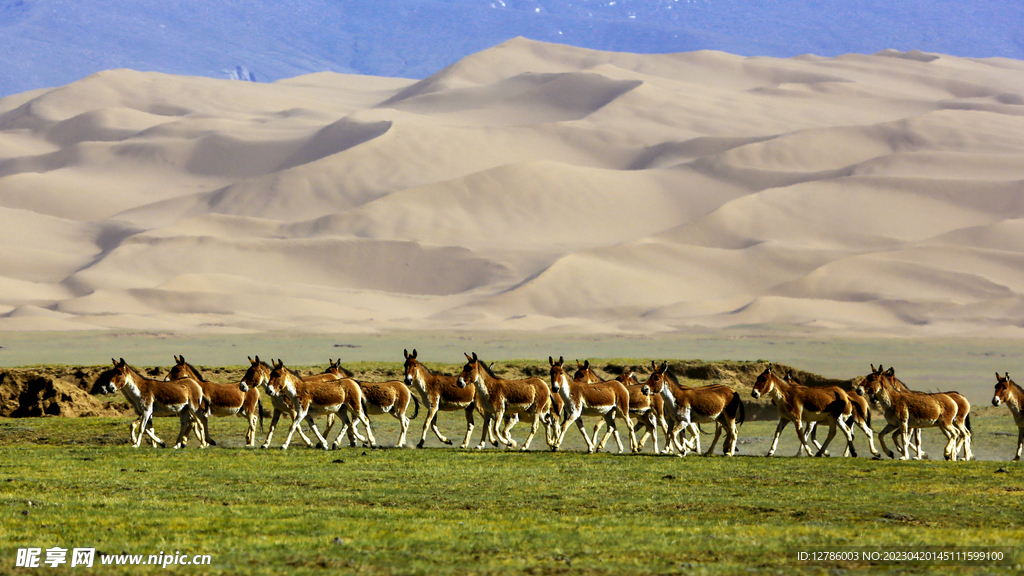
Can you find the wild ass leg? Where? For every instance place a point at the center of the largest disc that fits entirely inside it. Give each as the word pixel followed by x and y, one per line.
pixel 881 439
pixel 505 436
pixel 965 435
pixel 297 417
pixel 650 425
pixel 510 423
pixel 273 426
pixel 187 425
pixel 431 422
pixel 775 441
pixel 609 419
pixel 143 421
pixel 714 441
pixel 199 426
pixel 695 431
pixel 905 441
pixel 672 438
pixel 331 419
pixel 871 439
pixel 204 419
pixel 591 448
pixel 1020 443
pixel 399 413
pixel 803 439
pixel 250 432
pixel 486 431
pixel 811 432
pixel 950 450
pixel 361 416
pixel 597 428
pixel 134 430
pixel 851 450
pixel 469 425
pixel 732 434
pixel 322 441
pixel 533 432
pixel 832 425
pixel 190 422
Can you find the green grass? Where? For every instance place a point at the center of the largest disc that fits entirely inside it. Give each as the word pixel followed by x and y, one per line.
pixel 449 511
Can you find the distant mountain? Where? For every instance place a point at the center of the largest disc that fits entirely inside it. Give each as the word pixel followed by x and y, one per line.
pixel 45 43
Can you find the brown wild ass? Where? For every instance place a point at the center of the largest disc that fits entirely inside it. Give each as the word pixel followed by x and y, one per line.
pixel 861 418
pixel 915 437
pixel 497 397
pixel 222 400
pixel 962 422
pixel 605 399
pixel 392 397
pixel 1009 393
pixel 258 375
pixel 645 407
pixel 311 398
pixel 905 410
pixel 687 406
pixel 799 404
pixel 439 392
pixel 183 397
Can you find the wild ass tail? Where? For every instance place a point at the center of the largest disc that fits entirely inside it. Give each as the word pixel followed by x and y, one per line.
pixel 416 410
pixel 261 412
pixel 859 411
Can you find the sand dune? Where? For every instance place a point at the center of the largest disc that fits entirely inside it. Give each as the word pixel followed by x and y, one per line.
pixel 530 186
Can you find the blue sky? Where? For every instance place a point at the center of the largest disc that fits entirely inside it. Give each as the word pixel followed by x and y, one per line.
pixel 47 43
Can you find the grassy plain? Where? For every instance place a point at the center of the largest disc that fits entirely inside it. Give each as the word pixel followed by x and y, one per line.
pixel 70 482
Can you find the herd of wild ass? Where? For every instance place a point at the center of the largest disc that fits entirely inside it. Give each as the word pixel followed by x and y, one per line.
pixel 659 403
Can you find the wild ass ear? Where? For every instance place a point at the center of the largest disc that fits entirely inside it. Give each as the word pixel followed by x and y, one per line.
pixel 561 360
pixel 891 371
pixel 998 377
pixel 405 352
pixel 664 367
pixel 475 358
pixel 115 364
pixel 586 364
pixel 414 353
pixel 654 366
pixel 552 362
pixel 468 357
pixel 873 371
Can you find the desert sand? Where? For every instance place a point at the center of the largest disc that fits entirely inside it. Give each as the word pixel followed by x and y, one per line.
pixel 529 187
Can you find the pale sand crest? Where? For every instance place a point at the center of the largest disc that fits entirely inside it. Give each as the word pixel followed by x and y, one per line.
pixel 528 187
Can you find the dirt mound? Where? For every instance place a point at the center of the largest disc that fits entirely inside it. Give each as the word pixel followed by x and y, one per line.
pixel 56 391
